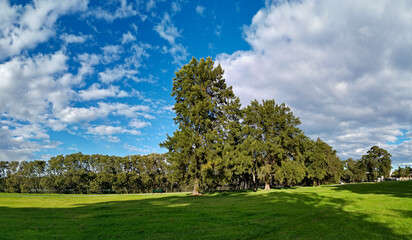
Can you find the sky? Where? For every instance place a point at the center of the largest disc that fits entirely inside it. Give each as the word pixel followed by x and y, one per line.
pixel 96 76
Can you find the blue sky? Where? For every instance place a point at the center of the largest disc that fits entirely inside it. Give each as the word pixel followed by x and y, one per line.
pixel 96 76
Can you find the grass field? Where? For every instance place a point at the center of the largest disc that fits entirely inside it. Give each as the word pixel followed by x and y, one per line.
pixel 353 211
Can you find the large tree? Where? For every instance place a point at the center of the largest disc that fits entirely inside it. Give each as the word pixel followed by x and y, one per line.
pixel 203 107
pixel 273 137
pixel 354 171
pixel 377 162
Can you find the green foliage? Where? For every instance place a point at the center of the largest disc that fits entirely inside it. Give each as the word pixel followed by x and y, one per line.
pixel 272 137
pixel 322 163
pixel 354 171
pixel 79 173
pixel 405 172
pixel 290 173
pixel 204 106
pixel 377 163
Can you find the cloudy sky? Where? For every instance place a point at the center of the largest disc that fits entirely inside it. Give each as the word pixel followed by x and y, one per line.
pixel 78 75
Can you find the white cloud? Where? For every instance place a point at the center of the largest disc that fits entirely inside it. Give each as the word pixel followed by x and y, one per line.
pixel 56 125
pixel 176 7
pixel 200 10
pixel 75 115
pixel 87 63
pixel 32 91
pixel 135 149
pixel 23 27
pixel 123 11
pixel 110 130
pixel 111 53
pixel 343 67
pixel 139 52
pixel 178 52
pixel 136 123
pixel 150 5
pixel 16 144
pixel 96 92
pixel 28 86
pixel 102 110
pixel 70 38
pixel 168 108
pixel 127 38
pixel 32 131
pixel 167 30
pixel 116 74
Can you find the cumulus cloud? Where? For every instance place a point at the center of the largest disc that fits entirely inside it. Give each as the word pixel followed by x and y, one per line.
pixel 32 90
pixel 136 123
pixel 116 74
pixel 16 142
pixel 128 37
pixel 343 67
pixel 111 53
pixel 123 10
pixel 96 92
pixel 70 38
pixel 26 26
pixel 102 110
pixel 150 5
pixel 28 86
pixel 110 130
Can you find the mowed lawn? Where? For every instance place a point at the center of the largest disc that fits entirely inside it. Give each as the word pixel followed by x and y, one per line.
pixel 352 211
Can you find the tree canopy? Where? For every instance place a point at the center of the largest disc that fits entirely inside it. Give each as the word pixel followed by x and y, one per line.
pixel 204 105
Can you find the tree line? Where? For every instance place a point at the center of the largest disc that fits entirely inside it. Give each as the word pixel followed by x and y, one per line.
pixel 81 173
pixel 218 145
pixel 405 172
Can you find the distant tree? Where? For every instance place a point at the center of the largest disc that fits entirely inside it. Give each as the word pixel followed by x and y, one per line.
pixel 202 103
pixel 377 162
pixel 354 171
pixel 402 172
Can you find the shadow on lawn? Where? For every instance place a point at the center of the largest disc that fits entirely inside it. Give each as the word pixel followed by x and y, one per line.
pixel 396 189
pixel 272 215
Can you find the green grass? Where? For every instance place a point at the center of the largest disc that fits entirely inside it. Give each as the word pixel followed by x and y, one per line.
pixel 353 211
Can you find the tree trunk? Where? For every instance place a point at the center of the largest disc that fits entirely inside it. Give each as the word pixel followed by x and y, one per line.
pixel 254 181
pixel 267 185
pixel 196 187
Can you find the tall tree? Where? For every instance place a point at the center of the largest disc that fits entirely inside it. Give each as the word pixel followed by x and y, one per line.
pixel 377 162
pixel 354 171
pixel 273 137
pixel 203 101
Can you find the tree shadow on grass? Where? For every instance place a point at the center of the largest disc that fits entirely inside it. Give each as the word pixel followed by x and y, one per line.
pixel 396 189
pixel 244 215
